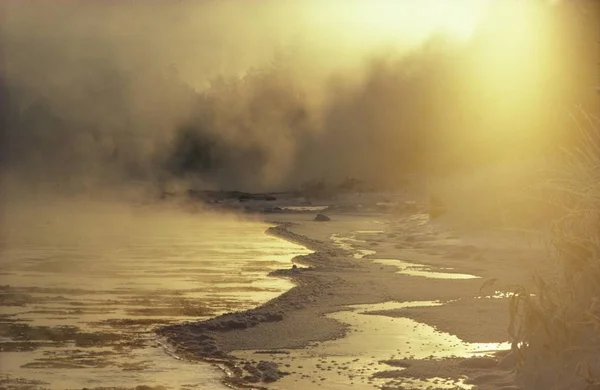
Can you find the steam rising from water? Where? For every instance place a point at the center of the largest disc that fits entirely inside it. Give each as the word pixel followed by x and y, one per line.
pixel 251 95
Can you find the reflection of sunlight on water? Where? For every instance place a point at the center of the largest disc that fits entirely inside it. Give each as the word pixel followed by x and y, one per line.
pixel 499 295
pixel 362 253
pixel 422 270
pixel 344 243
pixel 404 337
pixel 351 361
pixel 122 277
pixel 68 367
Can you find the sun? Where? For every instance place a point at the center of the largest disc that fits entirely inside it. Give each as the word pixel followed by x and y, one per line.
pixel 376 21
pixel 458 18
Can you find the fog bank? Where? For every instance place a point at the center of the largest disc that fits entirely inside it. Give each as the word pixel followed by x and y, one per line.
pixel 258 95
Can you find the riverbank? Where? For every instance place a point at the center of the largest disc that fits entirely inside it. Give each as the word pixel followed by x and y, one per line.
pixel 374 258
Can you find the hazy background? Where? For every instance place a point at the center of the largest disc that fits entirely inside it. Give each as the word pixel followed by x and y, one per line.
pixel 266 94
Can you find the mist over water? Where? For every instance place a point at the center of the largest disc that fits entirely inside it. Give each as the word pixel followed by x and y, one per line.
pixel 259 95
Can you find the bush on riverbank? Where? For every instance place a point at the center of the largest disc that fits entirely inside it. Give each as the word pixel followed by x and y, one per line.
pixel 556 328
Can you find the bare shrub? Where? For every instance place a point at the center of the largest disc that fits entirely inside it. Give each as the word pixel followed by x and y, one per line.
pixel 556 328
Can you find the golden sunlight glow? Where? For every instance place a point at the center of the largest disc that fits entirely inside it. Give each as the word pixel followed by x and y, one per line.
pixel 510 58
pixel 513 67
pixel 405 21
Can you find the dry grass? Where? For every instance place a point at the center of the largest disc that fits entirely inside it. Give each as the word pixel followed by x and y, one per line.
pixel 556 331
pixel 555 324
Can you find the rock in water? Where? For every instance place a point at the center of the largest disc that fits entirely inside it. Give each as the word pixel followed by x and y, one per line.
pixel 322 218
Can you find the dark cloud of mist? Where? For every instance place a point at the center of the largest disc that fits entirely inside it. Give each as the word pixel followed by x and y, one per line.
pixel 167 95
pixel 98 90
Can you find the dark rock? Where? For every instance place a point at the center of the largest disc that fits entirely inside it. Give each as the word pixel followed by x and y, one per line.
pixel 322 218
pixel 264 365
pixel 270 371
pixel 271 376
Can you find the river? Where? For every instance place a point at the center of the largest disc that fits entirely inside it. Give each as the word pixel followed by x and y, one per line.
pixel 83 285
